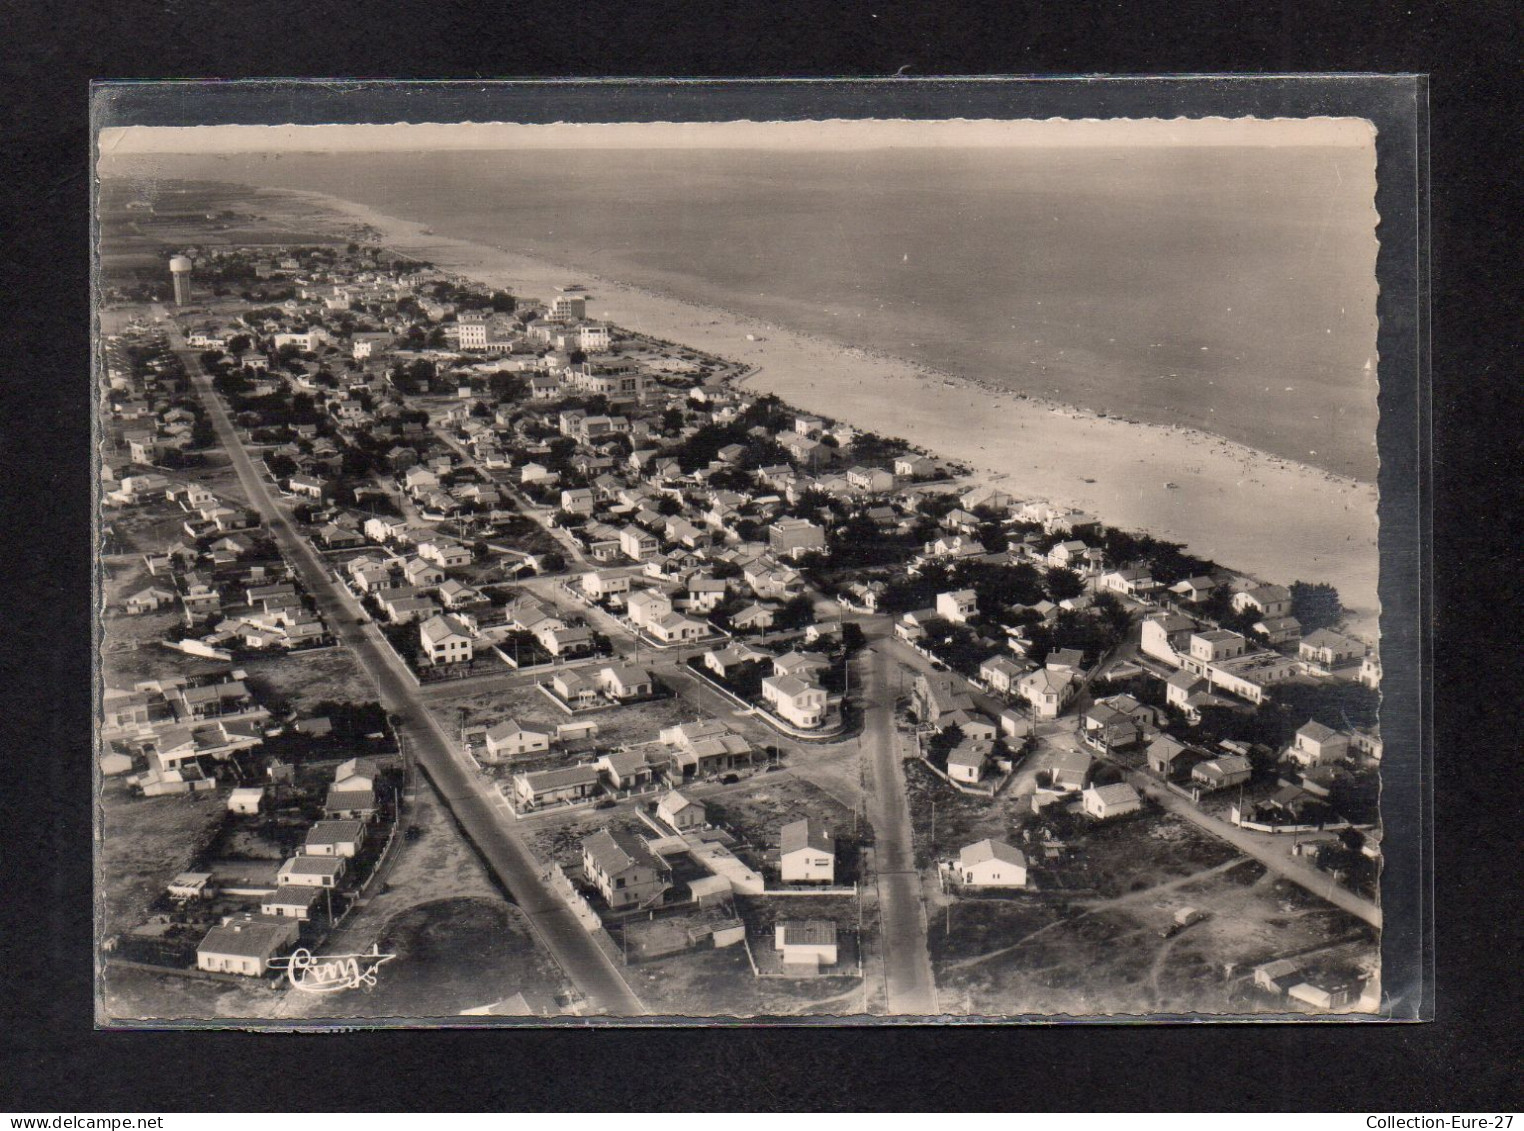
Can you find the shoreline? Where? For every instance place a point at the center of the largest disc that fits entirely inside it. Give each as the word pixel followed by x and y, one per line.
pixel 1225 497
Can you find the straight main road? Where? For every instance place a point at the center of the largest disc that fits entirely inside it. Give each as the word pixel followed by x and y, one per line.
pixel 481 811
pixel 909 985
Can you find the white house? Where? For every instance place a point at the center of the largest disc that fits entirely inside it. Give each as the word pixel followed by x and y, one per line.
pixel 807 943
pixel 1048 691
pixel 1104 802
pixel 991 864
pixel 245 944
pixel 1318 745
pixel 957 605
pixel 681 813
pixel 246 800
pixel 334 838
pixel 796 702
pixel 445 641
pixel 806 853
pixel 510 740
pixel 1266 600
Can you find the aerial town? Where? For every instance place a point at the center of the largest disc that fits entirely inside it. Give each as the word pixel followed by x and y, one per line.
pixel 468 627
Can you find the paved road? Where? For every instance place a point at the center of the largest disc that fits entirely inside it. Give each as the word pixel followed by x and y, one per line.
pixel 909 985
pixel 481 811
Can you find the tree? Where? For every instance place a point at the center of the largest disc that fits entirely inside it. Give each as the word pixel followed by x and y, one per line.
pixel 1064 583
pixel 1315 605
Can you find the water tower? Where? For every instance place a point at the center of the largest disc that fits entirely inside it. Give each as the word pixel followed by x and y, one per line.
pixel 180 272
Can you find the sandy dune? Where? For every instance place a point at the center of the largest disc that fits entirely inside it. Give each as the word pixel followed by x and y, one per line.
pixel 1277 520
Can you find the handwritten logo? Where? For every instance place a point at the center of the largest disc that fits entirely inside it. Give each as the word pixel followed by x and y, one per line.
pixel 332 972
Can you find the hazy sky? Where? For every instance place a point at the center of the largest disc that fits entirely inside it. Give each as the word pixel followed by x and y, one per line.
pixel 834 135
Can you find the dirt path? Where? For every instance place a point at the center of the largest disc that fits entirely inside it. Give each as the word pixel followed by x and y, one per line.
pixel 1101 905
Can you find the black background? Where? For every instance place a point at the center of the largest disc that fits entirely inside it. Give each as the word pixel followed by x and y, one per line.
pixel 53 1060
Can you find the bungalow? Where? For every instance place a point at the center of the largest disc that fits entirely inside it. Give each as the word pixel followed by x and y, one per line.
pixel 573 688
pixel 445 641
pixel 796 702
pixel 562 640
pixel 356 773
pixel 681 813
pixel 675 628
pixel 706 746
pixel 445 553
pixel 1069 661
pixel 421 574
pixel 457 595
pixel 1108 801
pixel 294 901
pixel 628 769
pixel 334 838
pixel 1279 630
pixel 914 466
pixel 1324 650
pixel 311 872
pixel 1164 753
pixel 991 864
pixel 957 606
pixel 1222 772
pixel 967 761
pixel 624 682
pixel 245 944
pixel 1266 600
pixel 1318 745
pixel 723 661
pixel 624 869
pixel 807 943
pixel 508 739
pixel 1136 583
pixel 350 804
pixel 805 665
pixel 753 618
pixel 547 787
pixel 1194 590
pixel 148 600
pixel 806 853
pixel 1070 770
pixel 1047 690
pixel 956 546
pixel 246 800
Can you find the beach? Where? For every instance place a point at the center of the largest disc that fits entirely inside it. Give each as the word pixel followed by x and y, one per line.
pixel 1253 512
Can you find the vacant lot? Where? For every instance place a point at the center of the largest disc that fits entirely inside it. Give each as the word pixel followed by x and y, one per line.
pixel 451 955
pixel 720 983
pixel 560 840
pixel 130 994
pixel 944 819
pixel 303 679
pixel 758 808
pixel 1141 852
pixel 148 529
pixel 145 843
pixel 1110 956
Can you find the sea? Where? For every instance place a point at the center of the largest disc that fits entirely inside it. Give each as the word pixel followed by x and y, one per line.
pixel 1226 289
